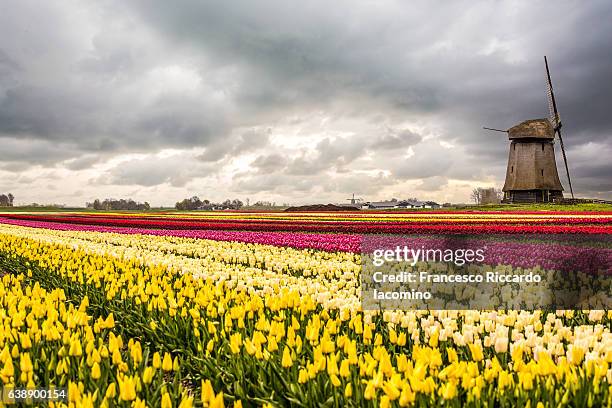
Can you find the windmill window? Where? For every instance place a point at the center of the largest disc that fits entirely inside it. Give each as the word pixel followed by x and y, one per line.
pixel 512 169
pixel 542 171
pixel 542 146
pixel 514 146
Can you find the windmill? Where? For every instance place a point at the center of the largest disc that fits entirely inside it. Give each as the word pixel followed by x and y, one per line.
pixel 354 200
pixel 531 175
pixel 555 119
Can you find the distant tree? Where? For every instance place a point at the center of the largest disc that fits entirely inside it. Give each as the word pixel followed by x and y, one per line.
pixel 192 203
pixel 4 200
pixel 476 195
pixel 488 195
pixel 10 198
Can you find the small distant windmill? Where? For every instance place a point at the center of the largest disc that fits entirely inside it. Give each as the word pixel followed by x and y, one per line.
pixel 531 175
pixel 354 200
pixel 555 119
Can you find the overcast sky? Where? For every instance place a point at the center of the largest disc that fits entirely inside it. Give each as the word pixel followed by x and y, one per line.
pixel 293 101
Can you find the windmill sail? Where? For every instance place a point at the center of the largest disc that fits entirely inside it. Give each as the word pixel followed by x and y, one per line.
pixel 555 119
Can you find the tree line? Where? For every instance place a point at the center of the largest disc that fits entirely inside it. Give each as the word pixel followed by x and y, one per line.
pixel 6 200
pixel 194 203
pixel 122 204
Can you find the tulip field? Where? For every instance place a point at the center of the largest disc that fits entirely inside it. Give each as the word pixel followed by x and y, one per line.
pixel 238 309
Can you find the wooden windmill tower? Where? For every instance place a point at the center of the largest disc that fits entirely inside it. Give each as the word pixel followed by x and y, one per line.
pixel 531 175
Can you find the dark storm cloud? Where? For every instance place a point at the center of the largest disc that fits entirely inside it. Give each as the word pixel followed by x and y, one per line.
pixel 277 182
pixel 142 76
pixel 7 65
pixel 308 54
pixel 83 162
pixel 235 144
pixel 33 152
pixel 591 168
pixel 269 163
pixel 338 153
pixel 394 139
pixel 421 164
pixel 175 171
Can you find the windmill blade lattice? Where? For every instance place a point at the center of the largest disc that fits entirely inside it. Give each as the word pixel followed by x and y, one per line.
pixel 554 117
pixel 556 122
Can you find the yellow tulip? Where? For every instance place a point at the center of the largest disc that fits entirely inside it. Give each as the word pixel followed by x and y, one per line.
pixel 407 396
pixel 127 388
pixel 74 394
pixel 166 402
pixel 207 391
pixel 109 323
pixel 526 380
pixel 138 403
pixel 8 370
pixel 287 361
pixel 75 348
pixel 476 350
pixel 167 362
pixel 335 380
pixel 235 343
pixel 157 363
pixel 302 376
pixel 448 391
pixel 136 353
pixel 147 375
pixel 345 368
pixel 186 403
pixel 26 343
pixel 217 401
pixel 25 363
pixel 95 371
pixel 369 392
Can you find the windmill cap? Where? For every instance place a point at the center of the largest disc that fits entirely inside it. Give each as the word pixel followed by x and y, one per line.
pixel 532 129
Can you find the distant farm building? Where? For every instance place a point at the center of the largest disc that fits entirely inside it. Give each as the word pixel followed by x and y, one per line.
pixel 380 205
pixel 408 204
